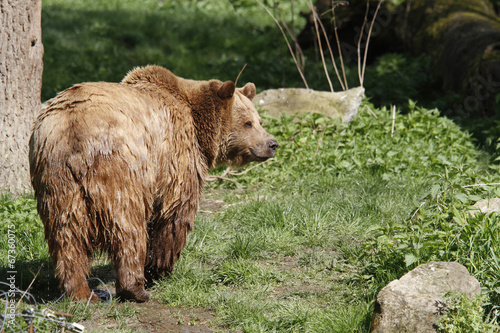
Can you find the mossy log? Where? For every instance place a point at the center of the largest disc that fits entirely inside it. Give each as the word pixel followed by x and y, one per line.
pixel 462 36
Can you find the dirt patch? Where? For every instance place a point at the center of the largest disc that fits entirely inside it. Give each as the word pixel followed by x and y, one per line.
pixel 156 317
pixel 211 206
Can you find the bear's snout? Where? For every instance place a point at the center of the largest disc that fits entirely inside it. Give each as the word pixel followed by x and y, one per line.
pixel 273 144
pixel 261 152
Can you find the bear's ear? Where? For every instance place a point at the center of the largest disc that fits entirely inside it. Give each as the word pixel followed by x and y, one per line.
pixel 226 91
pixel 249 90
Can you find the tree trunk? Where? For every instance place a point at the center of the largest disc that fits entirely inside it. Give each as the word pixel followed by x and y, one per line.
pixel 21 67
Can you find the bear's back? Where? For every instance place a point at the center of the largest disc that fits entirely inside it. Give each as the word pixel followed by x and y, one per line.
pixel 92 119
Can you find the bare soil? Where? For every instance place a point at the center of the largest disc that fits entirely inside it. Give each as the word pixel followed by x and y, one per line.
pixel 155 317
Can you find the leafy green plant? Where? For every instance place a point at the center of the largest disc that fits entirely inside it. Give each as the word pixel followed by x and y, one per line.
pixel 444 227
pixel 464 315
pixel 423 143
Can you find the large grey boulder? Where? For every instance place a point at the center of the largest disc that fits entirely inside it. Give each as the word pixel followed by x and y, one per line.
pixel 344 104
pixel 415 302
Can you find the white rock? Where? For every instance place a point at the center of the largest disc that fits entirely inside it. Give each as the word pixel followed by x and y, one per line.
pixel 342 105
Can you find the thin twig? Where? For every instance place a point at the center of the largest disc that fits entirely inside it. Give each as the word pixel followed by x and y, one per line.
pixel 299 54
pixel 320 140
pixel 32 281
pixel 371 111
pixel 251 168
pixel 239 74
pixel 206 211
pixel 393 120
pixel 339 48
pixel 438 196
pixel 215 178
pixel 368 42
pixel 416 211
pixel 318 36
pixel 331 54
pixel 476 185
pixel 359 42
pixel 286 40
pixel 228 172
pixel 88 301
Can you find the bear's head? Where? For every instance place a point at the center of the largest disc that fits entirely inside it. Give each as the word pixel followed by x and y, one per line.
pixel 247 140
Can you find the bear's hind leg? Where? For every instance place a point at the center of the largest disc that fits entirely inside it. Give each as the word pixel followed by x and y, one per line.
pixel 72 266
pixel 68 236
pixel 128 253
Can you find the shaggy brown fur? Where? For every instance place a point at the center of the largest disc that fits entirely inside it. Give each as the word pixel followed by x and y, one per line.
pixel 121 167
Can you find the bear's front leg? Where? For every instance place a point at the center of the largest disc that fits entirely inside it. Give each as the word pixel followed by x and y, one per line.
pixel 130 285
pixel 166 241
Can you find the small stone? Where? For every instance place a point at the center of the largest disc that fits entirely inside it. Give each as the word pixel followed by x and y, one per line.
pixel 486 206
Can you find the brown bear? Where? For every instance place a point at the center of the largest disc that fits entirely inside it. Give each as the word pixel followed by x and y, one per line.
pixel 120 167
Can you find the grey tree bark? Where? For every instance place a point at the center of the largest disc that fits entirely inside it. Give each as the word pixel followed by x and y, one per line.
pixel 21 67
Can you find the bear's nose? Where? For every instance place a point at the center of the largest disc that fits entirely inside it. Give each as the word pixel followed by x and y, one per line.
pixel 273 144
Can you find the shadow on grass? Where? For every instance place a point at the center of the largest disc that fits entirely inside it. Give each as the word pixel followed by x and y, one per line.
pixel 38 278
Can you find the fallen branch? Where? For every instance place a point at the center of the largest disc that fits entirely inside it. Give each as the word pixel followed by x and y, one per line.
pixel 229 172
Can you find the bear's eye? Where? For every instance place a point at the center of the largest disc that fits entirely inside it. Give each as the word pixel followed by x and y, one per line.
pixel 248 124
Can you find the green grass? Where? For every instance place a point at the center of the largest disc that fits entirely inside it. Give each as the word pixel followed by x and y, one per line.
pixel 464 315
